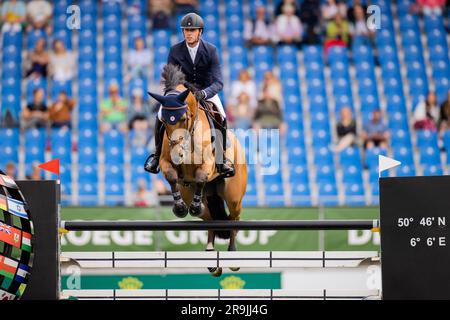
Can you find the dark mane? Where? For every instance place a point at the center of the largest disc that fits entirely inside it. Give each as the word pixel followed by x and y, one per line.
pixel 171 77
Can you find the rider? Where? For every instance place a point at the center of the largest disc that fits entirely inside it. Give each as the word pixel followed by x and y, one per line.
pixel 199 61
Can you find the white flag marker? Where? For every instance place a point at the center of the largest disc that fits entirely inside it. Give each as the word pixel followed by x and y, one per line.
pixel 385 163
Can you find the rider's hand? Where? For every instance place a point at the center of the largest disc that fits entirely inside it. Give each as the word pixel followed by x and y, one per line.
pixel 200 95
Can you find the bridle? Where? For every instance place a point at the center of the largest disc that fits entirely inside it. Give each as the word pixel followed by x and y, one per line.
pixel 191 130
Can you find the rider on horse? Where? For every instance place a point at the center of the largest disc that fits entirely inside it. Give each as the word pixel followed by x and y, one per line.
pixel 199 61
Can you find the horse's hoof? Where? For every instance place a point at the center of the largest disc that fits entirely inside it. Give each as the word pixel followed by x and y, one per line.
pixel 216 272
pixel 235 269
pixel 196 211
pixel 180 211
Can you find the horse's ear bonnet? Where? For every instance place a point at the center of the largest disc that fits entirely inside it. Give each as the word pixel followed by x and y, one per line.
pixel 173 106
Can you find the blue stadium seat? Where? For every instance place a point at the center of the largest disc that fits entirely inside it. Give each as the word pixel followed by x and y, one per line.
pixel 328 194
pixel 432 170
pixel 321 138
pixel 405 171
pixel 300 194
pixel 87 154
pixel 404 155
pixel 87 193
pixel 325 172
pixel 312 53
pixel 9 138
pixel 350 156
pixel 429 156
pixel 372 156
pixel 352 174
pixel 273 193
pixel 354 194
pixel 426 138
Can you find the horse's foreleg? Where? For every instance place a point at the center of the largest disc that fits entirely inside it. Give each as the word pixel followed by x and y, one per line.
pixel 215 271
pixel 211 237
pixel 195 209
pixel 180 208
pixel 235 208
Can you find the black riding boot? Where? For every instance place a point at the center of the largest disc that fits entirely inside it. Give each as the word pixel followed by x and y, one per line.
pixel 226 168
pixel 152 162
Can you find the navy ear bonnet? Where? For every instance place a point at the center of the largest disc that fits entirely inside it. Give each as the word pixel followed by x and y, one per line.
pixel 173 105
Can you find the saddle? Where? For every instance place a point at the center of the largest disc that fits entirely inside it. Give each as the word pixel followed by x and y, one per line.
pixel 213 116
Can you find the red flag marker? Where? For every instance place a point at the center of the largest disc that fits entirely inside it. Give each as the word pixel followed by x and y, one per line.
pixel 52 166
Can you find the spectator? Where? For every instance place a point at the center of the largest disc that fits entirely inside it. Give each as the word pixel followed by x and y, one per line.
pixel 8 117
pixel 375 132
pixel 338 33
pixel 359 31
pixel 60 111
pixel 444 119
pixel 310 17
pixel 160 13
pixel 279 8
pixel 139 112
pixel 332 8
pixel 39 59
pixel 35 115
pixel 268 114
pixel 273 86
pixel 258 31
pixel 183 7
pixel 62 62
pixel 13 15
pixel 141 198
pixel 431 7
pixel 36 173
pixel 426 113
pixel 11 170
pixel 244 84
pixel 113 110
pixel 39 14
pixel 242 112
pixel 346 130
pixel 288 27
pixel 351 11
pixel 138 60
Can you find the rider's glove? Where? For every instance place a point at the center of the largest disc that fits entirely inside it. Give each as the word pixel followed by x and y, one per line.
pixel 200 95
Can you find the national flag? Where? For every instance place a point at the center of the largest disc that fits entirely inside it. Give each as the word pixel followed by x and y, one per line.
pixel 22 273
pixel 8 267
pixel 17 208
pixel 6 295
pixel 52 166
pixel 7 182
pixel 26 241
pixel 10 235
pixel 3 205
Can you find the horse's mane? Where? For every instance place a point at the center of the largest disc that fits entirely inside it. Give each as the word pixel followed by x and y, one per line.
pixel 172 77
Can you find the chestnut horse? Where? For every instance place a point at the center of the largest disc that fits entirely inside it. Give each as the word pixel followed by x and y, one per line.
pixel 188 161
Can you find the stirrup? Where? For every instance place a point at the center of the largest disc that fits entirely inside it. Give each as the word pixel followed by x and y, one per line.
pixel 148 167
pixel 230 173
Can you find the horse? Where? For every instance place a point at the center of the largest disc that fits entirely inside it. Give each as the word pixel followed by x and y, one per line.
pixel 188 160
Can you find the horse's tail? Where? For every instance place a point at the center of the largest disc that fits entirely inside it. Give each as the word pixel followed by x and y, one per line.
pixel 216 206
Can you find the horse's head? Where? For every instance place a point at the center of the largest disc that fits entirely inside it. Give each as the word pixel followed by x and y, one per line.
pixel 176 111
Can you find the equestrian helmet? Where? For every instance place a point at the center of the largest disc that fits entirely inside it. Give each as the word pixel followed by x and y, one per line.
pixel 192 21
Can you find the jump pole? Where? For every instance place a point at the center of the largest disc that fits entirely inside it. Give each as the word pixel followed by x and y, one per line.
pixel 140 225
